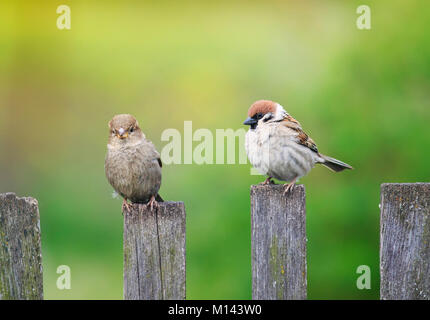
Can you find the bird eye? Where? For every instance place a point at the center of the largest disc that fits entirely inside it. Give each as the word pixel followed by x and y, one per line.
pixel 131 129
pixel 259 116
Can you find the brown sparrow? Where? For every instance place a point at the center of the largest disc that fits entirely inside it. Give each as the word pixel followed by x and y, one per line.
pixel 132 165
pixel 277 146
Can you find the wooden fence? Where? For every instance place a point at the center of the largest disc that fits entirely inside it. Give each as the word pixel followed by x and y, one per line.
pixel 278 243
pixel 154 246
pixel 20 249
pixel 154 252
pixel 405 241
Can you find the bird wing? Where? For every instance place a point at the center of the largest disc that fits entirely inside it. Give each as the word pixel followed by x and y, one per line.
pixel 302 138
pixel 154 152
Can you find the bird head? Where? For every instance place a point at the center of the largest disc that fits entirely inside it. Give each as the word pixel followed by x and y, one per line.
pixel 124 127
pixel 263 111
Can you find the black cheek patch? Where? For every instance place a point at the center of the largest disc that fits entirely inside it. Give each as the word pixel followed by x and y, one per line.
pixel 268 118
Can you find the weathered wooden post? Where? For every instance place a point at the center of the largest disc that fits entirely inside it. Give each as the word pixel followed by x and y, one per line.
pixel 405 241
pixel 154 252
pixel 20 249
pixel 278 240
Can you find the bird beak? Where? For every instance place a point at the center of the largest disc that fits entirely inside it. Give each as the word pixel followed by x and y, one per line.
pixel 250 121
pixel 122 134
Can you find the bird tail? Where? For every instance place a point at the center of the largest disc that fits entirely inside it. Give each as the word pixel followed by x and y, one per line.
pixel 158 198
pixel 334 164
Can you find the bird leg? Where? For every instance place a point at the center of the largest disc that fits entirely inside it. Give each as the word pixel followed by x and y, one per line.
pixel 289 186
pixel 152 203
pixel 267 181
pixel 126 206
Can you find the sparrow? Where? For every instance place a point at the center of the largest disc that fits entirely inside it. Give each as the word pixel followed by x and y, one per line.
pixel 278 147
pixel 132 164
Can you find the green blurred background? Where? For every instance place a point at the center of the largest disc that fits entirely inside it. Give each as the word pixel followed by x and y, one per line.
pixel 362 95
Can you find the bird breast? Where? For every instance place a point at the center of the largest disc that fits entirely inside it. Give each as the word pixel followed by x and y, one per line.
pixel 274 151
pixel 133 170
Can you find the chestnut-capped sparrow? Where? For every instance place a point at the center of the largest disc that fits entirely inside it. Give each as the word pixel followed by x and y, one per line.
pixel 132 165
pixel 278 147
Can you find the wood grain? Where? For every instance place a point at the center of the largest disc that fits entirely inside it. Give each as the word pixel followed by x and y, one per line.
pixel 405 241
pixel 21 276
pixel 278 240
pixel 154 252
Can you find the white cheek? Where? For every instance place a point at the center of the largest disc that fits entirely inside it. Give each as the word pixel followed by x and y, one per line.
pixel 280 112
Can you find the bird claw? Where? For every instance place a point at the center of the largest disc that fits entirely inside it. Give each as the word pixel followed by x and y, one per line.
pixel 126 206
pixel 267 181
pixel 288 187
pixel 152 203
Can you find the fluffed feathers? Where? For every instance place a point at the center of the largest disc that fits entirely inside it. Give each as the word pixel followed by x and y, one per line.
pixel 132 164
pixel 278 147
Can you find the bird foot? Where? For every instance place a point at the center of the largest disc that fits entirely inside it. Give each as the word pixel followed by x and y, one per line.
pixel 126 206
pixel 289 186
pixel 267 181
pixel 152 203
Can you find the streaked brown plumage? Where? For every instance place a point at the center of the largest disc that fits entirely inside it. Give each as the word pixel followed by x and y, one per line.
pixel 132 164
pixel 278 147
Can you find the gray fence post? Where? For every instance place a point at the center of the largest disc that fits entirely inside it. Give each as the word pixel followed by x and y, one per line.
pixel 278 240
pixel 154 252
pixel 20 249
pixel 405 241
